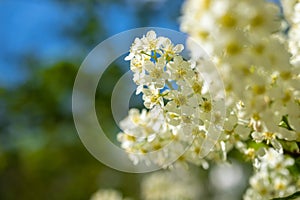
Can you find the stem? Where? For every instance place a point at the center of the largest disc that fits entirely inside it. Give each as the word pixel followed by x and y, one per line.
pixel 155 56
pixel 146 54
pixel 169 85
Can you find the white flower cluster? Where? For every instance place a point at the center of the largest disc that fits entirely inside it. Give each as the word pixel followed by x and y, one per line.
pixel 260 68
pixel 180 108
pixel 107 194
pixel 244 38
pixel 162 185
pixel 254 62
pixel 292 14
pixel 170 185
pixel 272 178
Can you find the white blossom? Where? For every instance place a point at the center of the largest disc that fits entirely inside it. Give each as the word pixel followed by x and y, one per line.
pixel 179 107
pixel 260 67
pixel 107 194
pixel 272 179
pixel 170 185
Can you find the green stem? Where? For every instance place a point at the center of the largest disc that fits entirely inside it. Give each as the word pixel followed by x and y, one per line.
pixel 169 85
pixel 145 53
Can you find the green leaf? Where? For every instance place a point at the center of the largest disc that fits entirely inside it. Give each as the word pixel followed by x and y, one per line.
pixel 285 123
pixel 295 169
pixel 290 146
pixel 296 195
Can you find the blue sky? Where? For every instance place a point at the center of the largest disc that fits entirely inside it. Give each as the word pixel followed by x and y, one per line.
pixel 27 28
pixel 35 27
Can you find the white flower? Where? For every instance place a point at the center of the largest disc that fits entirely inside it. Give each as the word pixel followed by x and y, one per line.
pixel 156 74
pixel 107 194
pixel 180 69
pixel 170 185
pixel 151 42
pixel 145 45
pixel 170 50
pixel 152 97
pixel 269 137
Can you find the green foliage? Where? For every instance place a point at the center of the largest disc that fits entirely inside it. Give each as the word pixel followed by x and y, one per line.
pixel 41 155
pixel 284 123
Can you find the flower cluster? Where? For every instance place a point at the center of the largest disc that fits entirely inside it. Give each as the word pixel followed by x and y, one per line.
pixel 272 178
pixel 260 68
pixel 170 185
pixel 292 14
pixel 162 185
pixel 259 60
pixel 243 37
pixel 180 108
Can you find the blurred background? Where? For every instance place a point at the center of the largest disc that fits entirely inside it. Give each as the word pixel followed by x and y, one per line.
pixel 42 46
